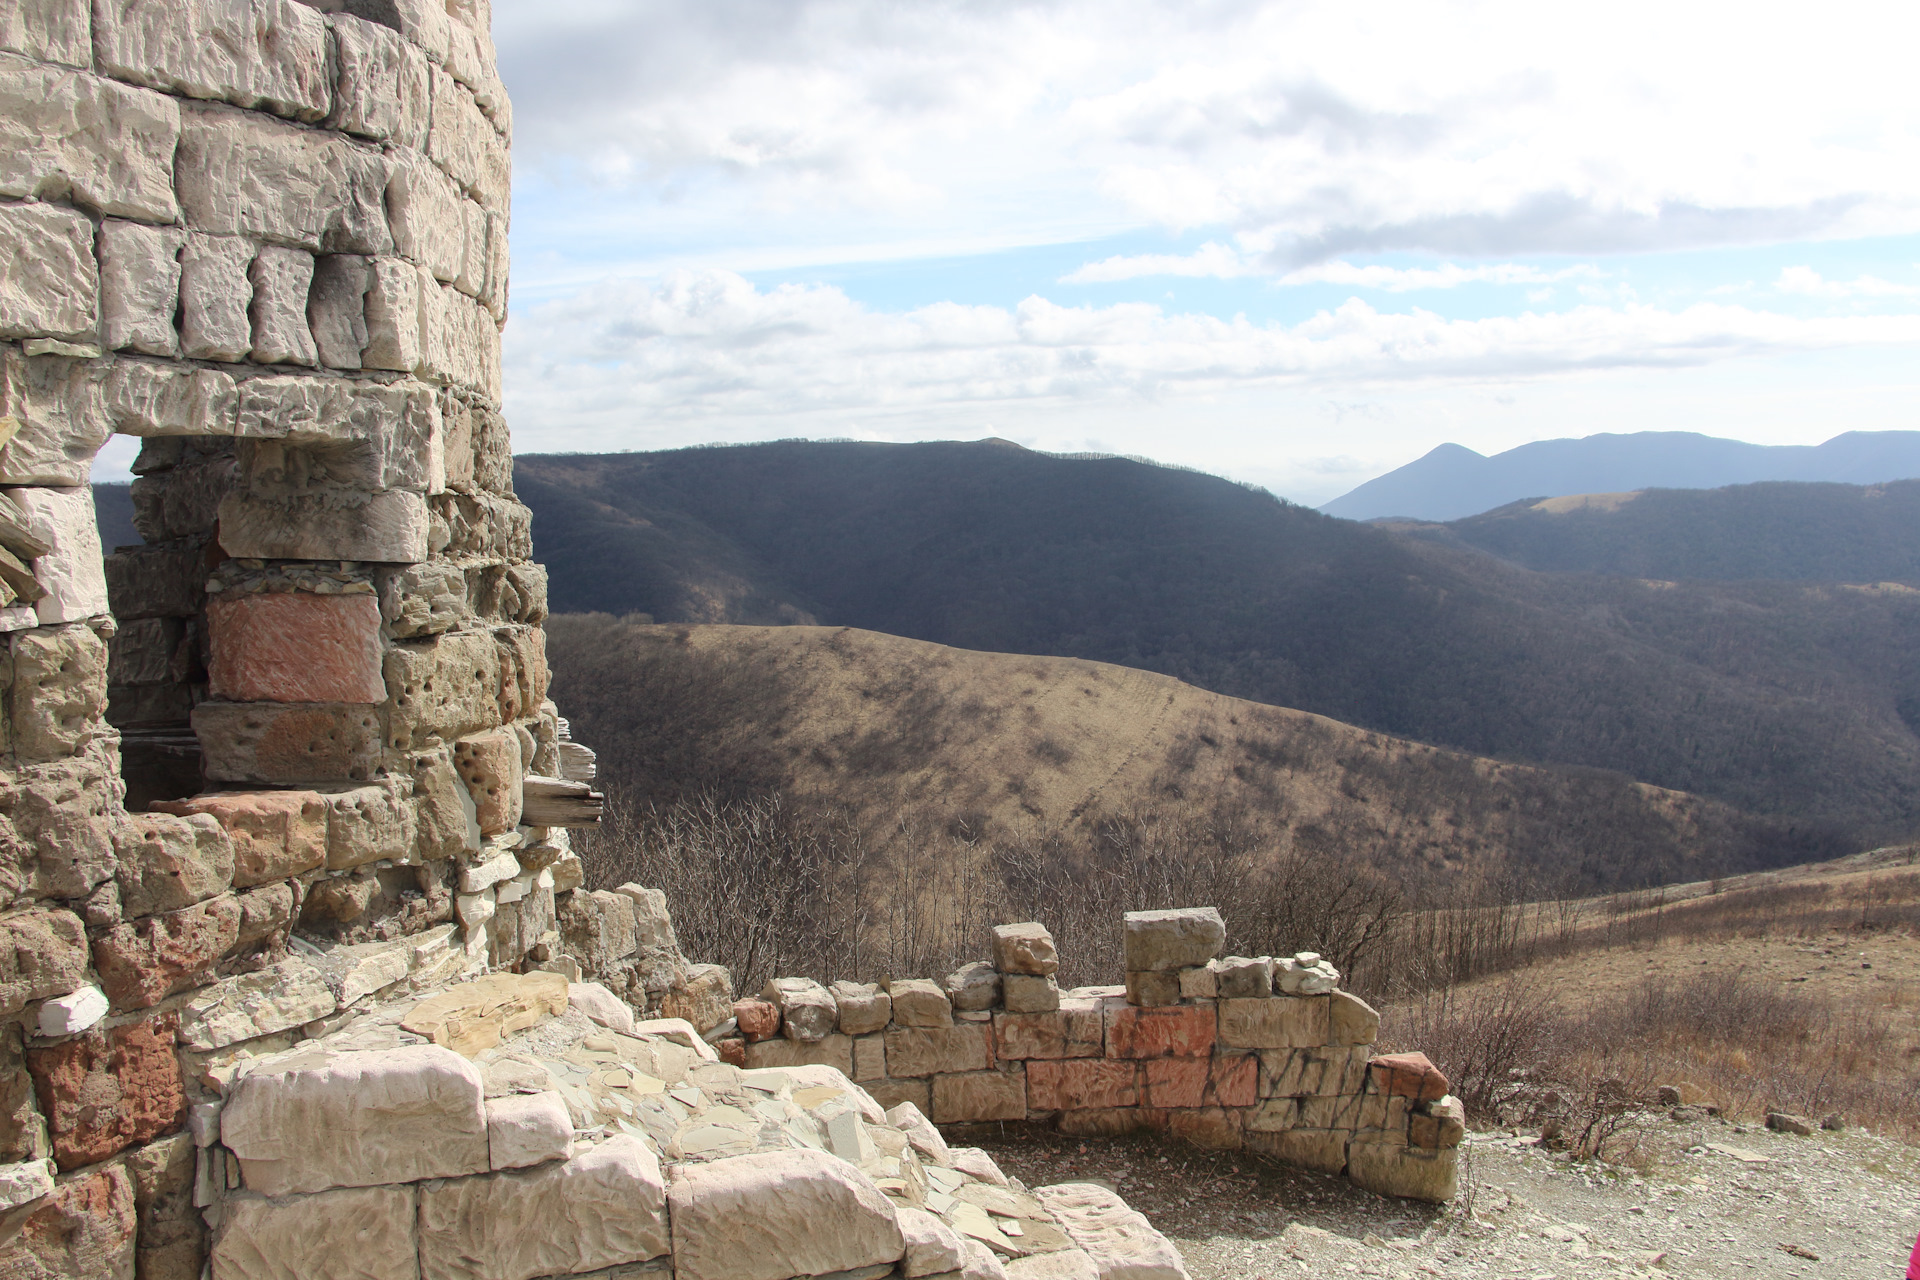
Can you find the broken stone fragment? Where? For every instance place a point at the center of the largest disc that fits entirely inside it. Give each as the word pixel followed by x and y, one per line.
pixel 1170 940
pixel 73 1012
pixel 1305 975
pixel 286 995
pixel 489 763
pixel 526 1129
pixel 1239 976
pixel 919 1002
pixel 757 1019
pixel 601 1005
pixel 1119 1240
pixel 863 1007
pixel 704 998
pixel 1408 1075
pixel 1354 1021
pixel 932 1246
pixel 973 987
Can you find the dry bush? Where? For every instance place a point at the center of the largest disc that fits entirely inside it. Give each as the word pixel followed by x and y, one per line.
pixel 1488 1041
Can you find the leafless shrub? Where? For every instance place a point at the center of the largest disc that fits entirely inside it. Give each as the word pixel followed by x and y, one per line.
pixel 1486 1040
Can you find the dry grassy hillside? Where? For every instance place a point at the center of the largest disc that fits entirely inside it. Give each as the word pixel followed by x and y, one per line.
pixel 1017 746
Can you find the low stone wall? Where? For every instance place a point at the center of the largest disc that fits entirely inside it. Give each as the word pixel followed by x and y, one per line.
pixel 1238 1052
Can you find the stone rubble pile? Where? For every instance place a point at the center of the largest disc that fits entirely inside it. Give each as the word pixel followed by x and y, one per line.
pixel 1256 1052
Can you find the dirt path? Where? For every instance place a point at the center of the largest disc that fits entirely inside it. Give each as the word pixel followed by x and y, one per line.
pixel 1717 1200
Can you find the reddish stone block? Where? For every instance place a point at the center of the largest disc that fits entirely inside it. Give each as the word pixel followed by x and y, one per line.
pixel 1073 1084
pixel 1075 1030
pixel 85 1228
pixel 106 1091
pixel 1408 1075
pixel 733 1051
pixel 144 962
pixel 276 834
pixel 295 647
pixel 1177 1082
pixel 1234 1081
pixel 758 1019
pixel 1182 1031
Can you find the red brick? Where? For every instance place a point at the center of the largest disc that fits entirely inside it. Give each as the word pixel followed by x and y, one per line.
pixel 1235 1080
pixel 276 834
pixel 1182 1031
pixel 84 1229
pixel 1077 1083
pixel 295 647
pixel 758 1019
pixel 106 1091
pixel 1408 1075
pixel 144 962
pixel 1177 1082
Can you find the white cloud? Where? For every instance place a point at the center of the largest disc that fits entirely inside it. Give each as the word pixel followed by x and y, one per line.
pixel 1309 128
pixel 1217 261
pixel 1807 281
pixel 712 348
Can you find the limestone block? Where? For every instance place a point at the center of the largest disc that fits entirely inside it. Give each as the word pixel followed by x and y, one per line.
pixel 1238 977
pixel 146 651
pixel 424 23
pixel 1166 940
pixel 266 54
pixel 597 928
pixel 1078 1084
pixel 489 763
pixel 318 433
pixel 59 690
pixel 295 646
pixel 973 987
pixel 253 176
pixel 24 1183
pixel 281 280
pixel 354 1233
pixel 492 867
pixel 920 1002
pixel 1184 1031
pixel 58 406
pixel 49 285
pixel 85 1228
pixel 477 1015
pixel 925 1051
pixel 393 317
pixel 429 218
pixel 164 400
pixel 380 84
pixel 64 813
pixel 1415 1174
pixel 526 1129
pixel 1061 1264
pixel 495 298
pixel 869 1058
pixel 1119 1240
pixel 807 1009
pixel 1353 1020
pixel 979 1095
pixel 604 1207
pixel 460 342
pixel 1409 1075
pixel 446 823
pixel 834 1051
pixel 863 1007
pixel 140 286
pixel 704 998
pixel 1025 993
pixel 72 572
pixel 441 690
pixel 1298 1073
pixel 1154 988
pixel 275 834
pixel 1282 1022
pixel 462 142
pixel 601 1005
pixel 652 922
pixel 48 31
pixel 143 962
pixel 337 308
pixel 1077 1029
pixel 1199 982
pixel 167 863
pixel 108 147
pixel 423 600
pixel 107 1090
pixel 382 527
pixel 1322 1150
pixel 216 297
pixel 281 743
pixel 42 953
pixel 776 1214
pixel 369 824
pixel 314 1118
pixel 1024 948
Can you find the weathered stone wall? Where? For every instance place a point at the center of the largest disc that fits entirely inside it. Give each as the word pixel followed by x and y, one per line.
pixel 1249 1052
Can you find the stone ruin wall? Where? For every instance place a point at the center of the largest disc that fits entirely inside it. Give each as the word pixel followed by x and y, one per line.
pixel 285 776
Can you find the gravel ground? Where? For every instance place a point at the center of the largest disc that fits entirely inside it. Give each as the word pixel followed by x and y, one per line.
pixel 1714 1200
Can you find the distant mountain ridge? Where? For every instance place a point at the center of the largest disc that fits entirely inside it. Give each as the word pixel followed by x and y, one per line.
pixel 1453 481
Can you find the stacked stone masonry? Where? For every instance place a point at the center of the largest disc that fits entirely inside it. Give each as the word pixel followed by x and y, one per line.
pixel 298 973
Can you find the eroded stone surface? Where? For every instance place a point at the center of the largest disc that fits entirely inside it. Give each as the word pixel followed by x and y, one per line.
pixel 357 1232
pixel 275 834
pixel 85 1228
pixel 779 1214
pixel 107 1090
pixel 1166 940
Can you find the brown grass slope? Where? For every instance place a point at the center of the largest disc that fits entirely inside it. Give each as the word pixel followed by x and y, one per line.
pixel 1005 745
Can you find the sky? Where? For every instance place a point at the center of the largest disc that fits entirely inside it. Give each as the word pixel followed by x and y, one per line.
pixel 1294 243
